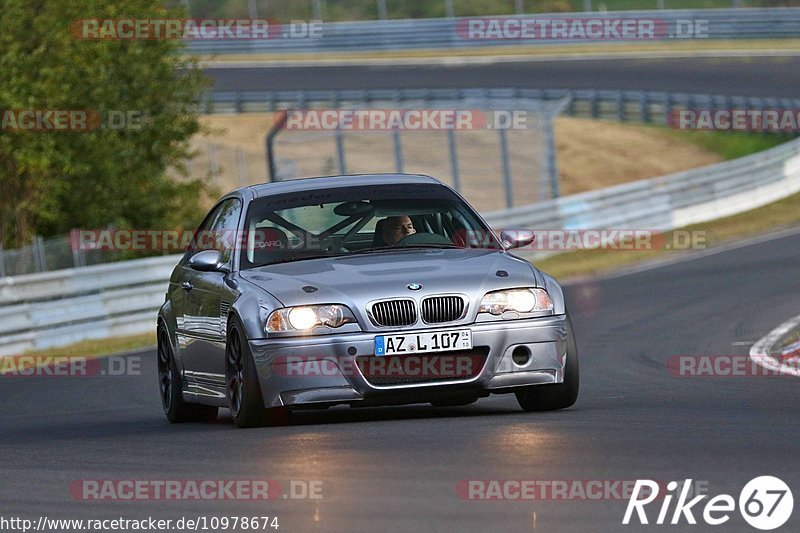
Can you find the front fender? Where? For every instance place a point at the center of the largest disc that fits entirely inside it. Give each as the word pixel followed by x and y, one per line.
pixel 252 308
pixel 556 293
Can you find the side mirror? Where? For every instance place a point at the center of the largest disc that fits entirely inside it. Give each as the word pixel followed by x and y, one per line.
pixel 207 261
pixel 516 238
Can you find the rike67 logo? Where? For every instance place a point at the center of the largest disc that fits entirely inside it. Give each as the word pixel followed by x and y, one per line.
pixel 765 503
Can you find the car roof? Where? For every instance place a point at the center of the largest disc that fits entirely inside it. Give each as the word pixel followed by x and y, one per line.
pixel 327 182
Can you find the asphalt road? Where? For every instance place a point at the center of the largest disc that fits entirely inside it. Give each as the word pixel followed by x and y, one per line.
pixel 750 76
pixel 396 469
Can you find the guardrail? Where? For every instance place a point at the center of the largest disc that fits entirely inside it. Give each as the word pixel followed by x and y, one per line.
pixel 671 201
pixel 367 36
pixel 57 308
pixel 39 311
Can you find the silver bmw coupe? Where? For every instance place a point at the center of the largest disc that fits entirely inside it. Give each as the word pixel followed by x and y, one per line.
pixel 368 290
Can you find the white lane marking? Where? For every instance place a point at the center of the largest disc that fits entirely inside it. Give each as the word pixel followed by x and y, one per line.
pixel 761 352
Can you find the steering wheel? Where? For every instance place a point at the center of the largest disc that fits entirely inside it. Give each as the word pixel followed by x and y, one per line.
pixel 423 238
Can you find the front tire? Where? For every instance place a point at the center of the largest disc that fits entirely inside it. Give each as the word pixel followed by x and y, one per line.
pixel 169 383
pixel 557 395
pixel 242 387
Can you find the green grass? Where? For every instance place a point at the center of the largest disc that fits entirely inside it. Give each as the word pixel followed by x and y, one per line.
pixel 791 340
pixel 101 347
pixel 733 144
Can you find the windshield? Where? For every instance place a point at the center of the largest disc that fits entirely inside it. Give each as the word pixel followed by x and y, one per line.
pixel 359 220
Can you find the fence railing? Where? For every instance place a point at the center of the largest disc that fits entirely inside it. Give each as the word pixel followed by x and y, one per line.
pixel 241 168
pixel 624 106
pixel 450 33
pixel 56 308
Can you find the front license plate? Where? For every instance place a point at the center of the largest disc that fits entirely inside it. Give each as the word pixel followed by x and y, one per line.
pixel 439 341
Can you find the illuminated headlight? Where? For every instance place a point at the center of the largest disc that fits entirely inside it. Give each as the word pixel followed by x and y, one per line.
pixel 528 300
pixel 307 317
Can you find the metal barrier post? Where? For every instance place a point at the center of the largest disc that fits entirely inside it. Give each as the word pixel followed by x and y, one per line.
pixel 449 11
pixel 276 128
pixel 451 143
pixel 316 8
pixel 398 145
pixel 241 165
pixel 339 142
pixel 340 151
pixel 550 170
pixel 74 244
pixel 506 167
pixel 2 262
pixel 645 101
pixel 38 253
pixel 252 9
pixel 398 150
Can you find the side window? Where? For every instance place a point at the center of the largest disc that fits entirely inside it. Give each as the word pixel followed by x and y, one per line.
pixel 219 230
pixel 224 235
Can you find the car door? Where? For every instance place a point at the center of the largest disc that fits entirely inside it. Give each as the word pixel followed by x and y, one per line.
pixel 204 354
pixel 181 283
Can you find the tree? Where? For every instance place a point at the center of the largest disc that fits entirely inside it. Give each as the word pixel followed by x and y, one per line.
pixel 53 181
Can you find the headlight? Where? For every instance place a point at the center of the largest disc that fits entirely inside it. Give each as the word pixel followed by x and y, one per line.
pixel 306 317
pixel 528 300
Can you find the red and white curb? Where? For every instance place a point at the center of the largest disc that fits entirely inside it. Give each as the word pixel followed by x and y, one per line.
pixel 787 359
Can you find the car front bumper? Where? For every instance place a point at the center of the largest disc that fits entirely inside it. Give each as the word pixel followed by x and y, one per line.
pixel 324 370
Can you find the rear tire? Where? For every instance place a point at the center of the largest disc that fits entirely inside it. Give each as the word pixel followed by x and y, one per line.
pixel 169 377
pixel 557 395
pixel 242 387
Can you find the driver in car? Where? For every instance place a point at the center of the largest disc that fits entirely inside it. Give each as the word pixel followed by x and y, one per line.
pixel 394 229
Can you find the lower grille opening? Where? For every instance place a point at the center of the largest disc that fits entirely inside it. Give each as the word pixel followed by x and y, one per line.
pixel 406 369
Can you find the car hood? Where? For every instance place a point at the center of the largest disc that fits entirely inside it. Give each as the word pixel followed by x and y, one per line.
pixel 357 279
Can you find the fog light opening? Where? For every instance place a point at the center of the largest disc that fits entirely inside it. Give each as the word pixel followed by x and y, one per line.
pixel 521 355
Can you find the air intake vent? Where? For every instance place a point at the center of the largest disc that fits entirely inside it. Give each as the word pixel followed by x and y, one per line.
pixel 440 309
pixel 394 313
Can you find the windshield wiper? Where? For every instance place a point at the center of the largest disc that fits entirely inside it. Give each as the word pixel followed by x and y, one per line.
pixel 403 247
pixel 292 259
